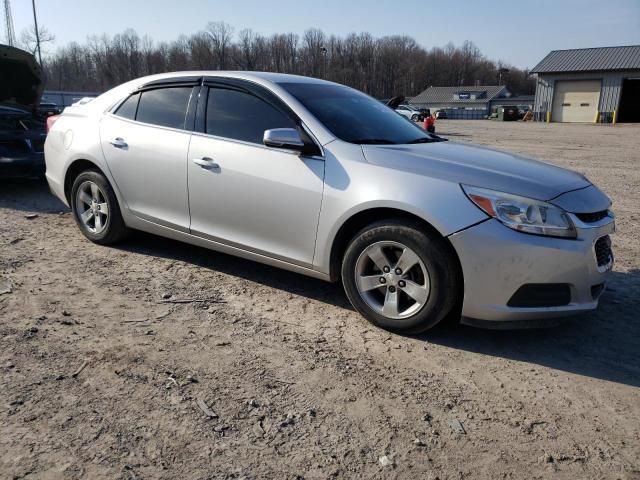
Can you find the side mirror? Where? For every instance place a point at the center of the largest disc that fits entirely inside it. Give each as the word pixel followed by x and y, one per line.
pixel 285 138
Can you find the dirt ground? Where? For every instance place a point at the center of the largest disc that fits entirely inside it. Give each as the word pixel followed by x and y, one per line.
pixel 294 383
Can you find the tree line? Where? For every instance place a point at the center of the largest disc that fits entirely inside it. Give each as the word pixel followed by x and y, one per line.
pixel 382 67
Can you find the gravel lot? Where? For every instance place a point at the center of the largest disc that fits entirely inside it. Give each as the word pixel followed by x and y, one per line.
pixel 294 383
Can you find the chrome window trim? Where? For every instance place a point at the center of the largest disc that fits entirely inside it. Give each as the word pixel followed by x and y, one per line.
pixel 152 125
pixel 233 140
pixel 260 145
pixel 111 111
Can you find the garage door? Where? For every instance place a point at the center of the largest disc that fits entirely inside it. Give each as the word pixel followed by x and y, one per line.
pixel 576 101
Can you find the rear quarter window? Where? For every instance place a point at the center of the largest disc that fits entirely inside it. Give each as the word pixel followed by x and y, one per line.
pixel 127 109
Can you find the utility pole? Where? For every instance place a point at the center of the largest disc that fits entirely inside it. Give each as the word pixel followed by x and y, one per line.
pixel 323 49
pixel 8 21
pixel 35 23
pixel 500 72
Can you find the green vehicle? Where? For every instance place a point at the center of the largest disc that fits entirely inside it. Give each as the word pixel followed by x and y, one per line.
pixel 505 113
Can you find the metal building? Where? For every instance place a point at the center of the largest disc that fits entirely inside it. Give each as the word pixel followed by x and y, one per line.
pixel 466 103
pixel 589 85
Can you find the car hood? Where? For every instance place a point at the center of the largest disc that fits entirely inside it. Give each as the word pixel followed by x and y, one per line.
pixel 23 88
pixel 478 166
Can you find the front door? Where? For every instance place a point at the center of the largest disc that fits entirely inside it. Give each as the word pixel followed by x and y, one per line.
pixel 244 194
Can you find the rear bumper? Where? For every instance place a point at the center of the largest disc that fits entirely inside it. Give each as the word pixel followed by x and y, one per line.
pixel 29 165
pixel 497 261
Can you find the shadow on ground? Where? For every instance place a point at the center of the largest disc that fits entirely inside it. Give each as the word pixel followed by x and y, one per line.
pixel 604 344
pixel 29 195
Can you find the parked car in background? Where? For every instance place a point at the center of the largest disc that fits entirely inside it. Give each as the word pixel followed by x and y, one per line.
pixel 321 179
pixel 410 112
pixel 48 109
pixel 22 130
pixel 441 114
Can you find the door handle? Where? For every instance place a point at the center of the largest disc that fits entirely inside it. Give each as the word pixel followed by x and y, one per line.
pixel 118 142
pixel 206 162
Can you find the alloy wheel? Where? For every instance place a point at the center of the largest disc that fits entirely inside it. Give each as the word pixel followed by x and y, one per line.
pixel 392 280
pixel 92 207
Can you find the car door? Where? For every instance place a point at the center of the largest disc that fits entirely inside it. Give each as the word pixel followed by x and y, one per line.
pixel 243 193
pixel 145 142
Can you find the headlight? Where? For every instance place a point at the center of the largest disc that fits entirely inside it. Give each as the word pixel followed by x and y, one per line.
pixel 521 213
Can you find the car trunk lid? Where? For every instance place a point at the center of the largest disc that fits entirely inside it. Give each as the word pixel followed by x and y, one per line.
pixel 23 86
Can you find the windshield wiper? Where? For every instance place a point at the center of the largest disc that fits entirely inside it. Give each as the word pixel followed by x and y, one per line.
pixel 373 141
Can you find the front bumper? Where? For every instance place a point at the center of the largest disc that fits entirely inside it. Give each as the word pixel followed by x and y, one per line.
pixel 496 261
pixel 27 165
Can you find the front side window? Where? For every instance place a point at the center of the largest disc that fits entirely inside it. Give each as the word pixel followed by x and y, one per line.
pixel 166 107
pixel 241 116
pixel 355 117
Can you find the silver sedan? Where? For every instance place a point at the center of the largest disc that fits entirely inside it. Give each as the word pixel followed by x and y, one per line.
pixel 321 179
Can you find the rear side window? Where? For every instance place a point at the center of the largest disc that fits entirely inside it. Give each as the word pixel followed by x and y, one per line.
pixel 128 108
pixel 242 116
pixel 166 107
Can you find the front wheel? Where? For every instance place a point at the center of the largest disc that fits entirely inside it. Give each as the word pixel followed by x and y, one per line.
pixel 95 208
pixel 400 277
pixel 415 118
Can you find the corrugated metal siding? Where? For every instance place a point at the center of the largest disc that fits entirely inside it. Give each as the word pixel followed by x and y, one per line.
pixel 609 95
pixel 590 60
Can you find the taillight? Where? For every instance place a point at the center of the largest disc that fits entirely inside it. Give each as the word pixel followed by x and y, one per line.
pixel 50 121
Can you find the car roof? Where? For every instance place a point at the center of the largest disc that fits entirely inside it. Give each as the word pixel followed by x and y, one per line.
pixel 263 76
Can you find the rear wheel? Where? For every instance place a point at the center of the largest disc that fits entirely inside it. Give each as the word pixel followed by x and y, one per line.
pixel 399 277
pixel 95 208
pixel 414 117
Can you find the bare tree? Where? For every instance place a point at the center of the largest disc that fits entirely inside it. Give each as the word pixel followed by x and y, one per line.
pixel 221 35
pixel 382 67
pixel 28 40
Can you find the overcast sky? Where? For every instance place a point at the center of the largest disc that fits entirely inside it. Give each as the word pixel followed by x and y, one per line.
pixel 518 32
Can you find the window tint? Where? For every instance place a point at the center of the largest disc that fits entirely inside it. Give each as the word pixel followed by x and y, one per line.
pixel 355 117
pixel 166 107
pixel 128 108
pixel 242 116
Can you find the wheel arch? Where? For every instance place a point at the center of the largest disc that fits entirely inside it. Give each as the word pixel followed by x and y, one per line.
pixel 361 219
pixel 76 168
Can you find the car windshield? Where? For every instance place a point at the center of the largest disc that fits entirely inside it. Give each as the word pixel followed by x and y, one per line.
pixel 355 117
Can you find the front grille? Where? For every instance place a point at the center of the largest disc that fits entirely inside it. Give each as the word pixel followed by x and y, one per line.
pixel 592 217
pixel 603 251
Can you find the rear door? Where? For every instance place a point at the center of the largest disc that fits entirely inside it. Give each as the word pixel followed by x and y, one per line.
pixel 145 142
pixel 245 194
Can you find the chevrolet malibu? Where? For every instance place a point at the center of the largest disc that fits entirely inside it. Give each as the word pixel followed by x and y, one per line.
pixel 323 180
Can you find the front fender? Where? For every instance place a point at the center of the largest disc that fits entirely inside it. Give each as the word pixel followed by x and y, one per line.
pixel 352 185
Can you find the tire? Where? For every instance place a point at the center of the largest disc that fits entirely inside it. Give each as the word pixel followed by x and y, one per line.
pixel 435 269
pixel 414 118
pixel 92 185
